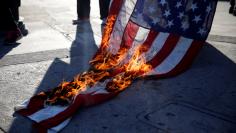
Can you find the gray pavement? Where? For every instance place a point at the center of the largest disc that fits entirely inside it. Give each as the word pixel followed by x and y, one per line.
pixel 201 100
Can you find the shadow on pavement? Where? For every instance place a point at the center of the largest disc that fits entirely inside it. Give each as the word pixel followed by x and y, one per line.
pixel 82 50
pixel 4 49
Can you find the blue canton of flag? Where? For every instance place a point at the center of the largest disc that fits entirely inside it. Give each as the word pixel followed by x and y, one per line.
pixel 188 18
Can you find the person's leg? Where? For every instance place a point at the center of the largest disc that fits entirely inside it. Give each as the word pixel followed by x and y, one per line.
pixel 8 25
pixel 83 9
pixel 104 8
pixel 7 22
pixel 234 9
pixel 232 2
pixel 15 13
pixel 20 23
pixel 14 7
pixel 232 5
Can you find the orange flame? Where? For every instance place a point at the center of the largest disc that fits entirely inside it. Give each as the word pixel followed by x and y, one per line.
pixel 135 67
pixel 107 31
pixel 106 60
pixel 138 61
pixel 103 65
pixel 64 93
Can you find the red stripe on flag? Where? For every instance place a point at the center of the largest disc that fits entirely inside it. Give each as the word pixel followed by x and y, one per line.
pixel 115 7
pixel 80 101
pixel 130 32
pixel 148 42
pixel 36 103
pixel 185 62
pixel 169 45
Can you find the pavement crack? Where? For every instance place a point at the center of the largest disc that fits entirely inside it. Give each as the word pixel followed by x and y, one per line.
pixel 1 129
pixel 56 28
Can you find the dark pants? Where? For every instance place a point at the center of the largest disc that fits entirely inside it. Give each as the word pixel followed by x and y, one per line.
pixel 83 8
pixel 7 21
pixel 104 8
pixel 14 7
pixel 232 3
pixel 15 13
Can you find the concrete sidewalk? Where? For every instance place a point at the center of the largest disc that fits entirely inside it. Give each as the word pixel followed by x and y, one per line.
pixel 201 100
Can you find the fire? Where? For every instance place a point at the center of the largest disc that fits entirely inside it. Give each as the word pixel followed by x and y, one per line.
pixel 104 65
pixel 138 62
pixel 107 31
pixel 64 93
pixel 119 82
pixel 106 60
pixel 136 67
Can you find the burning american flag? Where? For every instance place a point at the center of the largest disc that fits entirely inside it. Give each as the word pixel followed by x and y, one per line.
pixel 142 38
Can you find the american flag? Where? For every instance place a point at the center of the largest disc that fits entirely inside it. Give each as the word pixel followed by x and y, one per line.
pixel 173 30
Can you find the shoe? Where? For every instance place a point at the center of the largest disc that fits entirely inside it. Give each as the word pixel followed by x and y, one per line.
pixel 22 28
pixel 231 10
pixel 75 22
pixel 79 20
pixel 12 36
pixel 234 12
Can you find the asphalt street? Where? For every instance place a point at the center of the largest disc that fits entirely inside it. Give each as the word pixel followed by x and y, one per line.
pixel 201 100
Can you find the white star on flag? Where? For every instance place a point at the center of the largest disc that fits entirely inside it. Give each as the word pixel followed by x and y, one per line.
pixel 208 10
pixel 163 2
pixel 201 31
pixel 167 13
pixel 156 20
pixel 151 9
pixel 181 15
pixel 178 4
pixel 170 23
pixel 184 25
pixel 194 7
pixel 197 18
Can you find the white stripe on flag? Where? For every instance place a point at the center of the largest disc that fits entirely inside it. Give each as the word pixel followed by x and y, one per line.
pixel 46 113
pixel 59 127
pixel 156 45
pixel 22 105
pixel 120 24
pixel 174 58
pixel 141 36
